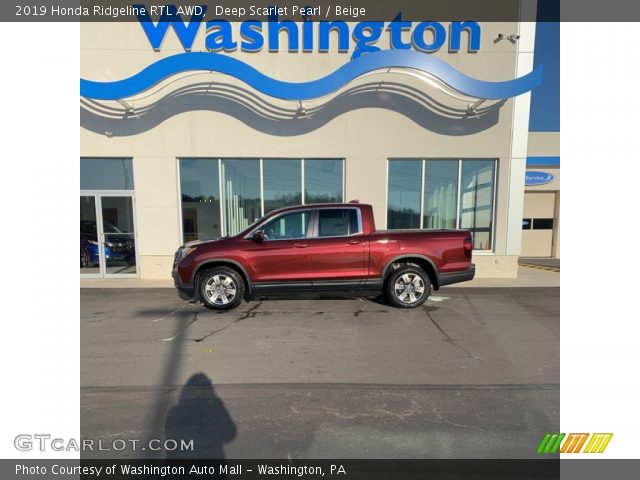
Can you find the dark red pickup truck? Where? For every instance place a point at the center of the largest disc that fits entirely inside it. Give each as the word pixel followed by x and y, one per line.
pixel 327 247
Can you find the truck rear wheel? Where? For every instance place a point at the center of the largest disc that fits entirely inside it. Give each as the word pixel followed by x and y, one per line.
pixel 221 288
pixel 408 287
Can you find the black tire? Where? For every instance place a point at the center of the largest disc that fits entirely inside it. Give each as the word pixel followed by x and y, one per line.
pixel 221 288
pixel 408 287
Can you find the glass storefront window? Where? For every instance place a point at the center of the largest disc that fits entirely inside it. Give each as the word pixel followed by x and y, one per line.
pixel 323 181
pixel 440 194
pixel 200 190
pixel 476 201
pixel 241 193
pixel 404 196
pixel 424 194
pixel 106 174
pixel 282 180
pixel 222 196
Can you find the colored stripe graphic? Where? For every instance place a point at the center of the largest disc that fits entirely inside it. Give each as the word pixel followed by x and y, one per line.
pixel 543 443
pixel 598 442
pixel 384 59
pixel 550 443
pixel 574 442
pixel 580 443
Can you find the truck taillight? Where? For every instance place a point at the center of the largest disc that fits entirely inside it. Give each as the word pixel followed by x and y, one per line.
pixel 468 247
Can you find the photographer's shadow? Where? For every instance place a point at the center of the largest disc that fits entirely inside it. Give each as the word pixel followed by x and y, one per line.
pixel 199 417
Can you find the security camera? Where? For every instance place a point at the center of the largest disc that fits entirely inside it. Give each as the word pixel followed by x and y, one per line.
pixel 512 38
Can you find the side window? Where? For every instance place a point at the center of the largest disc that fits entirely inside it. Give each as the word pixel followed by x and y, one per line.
pixel 288 226
pixel 338 222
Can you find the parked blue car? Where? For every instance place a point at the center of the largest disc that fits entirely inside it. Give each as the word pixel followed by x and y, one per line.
pixel 118 246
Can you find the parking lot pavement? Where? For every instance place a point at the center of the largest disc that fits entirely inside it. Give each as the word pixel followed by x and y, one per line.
pixel 473 373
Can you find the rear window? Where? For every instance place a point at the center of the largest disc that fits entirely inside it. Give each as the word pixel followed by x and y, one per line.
pixel 338 222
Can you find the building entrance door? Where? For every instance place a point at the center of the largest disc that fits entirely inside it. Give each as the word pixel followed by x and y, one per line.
pixel 107 235
pixel 539 224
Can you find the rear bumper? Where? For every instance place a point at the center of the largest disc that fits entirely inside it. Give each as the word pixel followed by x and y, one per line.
pixel 450 278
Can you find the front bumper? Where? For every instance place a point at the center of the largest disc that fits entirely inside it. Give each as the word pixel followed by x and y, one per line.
pixel 185 289
pixel 450 278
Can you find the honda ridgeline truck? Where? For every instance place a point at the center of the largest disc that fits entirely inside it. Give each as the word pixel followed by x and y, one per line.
pixel 322 248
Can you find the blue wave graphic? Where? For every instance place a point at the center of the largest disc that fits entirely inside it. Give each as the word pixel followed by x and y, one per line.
pixel 369 62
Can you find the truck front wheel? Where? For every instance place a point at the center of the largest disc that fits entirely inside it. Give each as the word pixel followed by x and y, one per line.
pixel 408 287
pixel 221 288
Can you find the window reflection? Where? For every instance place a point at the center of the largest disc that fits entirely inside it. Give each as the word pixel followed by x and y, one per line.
pixel 250 188
pixel 441 194
pixel 241 191
pixel 476 201
pixel 403 206
pixel 444 182
pixel 323 181
pixel 288 226
pixel 106 174
pixel 282 183
pixel 199 186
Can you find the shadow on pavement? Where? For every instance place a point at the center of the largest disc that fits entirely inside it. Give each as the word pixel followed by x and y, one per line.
pixel 199 417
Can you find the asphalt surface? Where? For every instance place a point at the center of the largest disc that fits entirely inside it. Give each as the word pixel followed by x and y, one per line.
pixel 474 373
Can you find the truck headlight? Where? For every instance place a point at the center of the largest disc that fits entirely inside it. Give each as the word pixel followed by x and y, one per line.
pixel 182 252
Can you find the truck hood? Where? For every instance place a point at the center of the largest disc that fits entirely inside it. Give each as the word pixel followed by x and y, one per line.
pixel 195 243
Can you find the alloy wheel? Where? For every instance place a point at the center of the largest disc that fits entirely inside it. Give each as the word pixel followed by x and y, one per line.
pixel 220 289
pixel 409 288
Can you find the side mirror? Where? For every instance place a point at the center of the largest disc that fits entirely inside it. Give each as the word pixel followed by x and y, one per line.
pixel 258 236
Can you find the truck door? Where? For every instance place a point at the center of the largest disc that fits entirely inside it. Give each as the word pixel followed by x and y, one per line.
pixel 338 247
pixel 283 256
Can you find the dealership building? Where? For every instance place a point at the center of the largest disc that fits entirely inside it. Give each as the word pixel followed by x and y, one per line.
pixel 222 128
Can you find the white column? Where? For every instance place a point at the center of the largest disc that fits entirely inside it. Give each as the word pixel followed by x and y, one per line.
pixel 519 136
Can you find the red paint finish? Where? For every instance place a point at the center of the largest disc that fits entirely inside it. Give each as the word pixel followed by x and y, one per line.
pixel 366 254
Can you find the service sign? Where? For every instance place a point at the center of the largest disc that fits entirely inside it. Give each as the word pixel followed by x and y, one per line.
pixel 534 178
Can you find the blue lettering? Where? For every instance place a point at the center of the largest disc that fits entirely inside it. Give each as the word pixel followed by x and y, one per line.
pixel 455 34
pixel 396 27
pixel 219 36
pixel 186 33
pixel 325 33
pixel 439 36
pixel 307 36
pixel 274 33
pixel 364 34
pixel 426 36
pixel 251 31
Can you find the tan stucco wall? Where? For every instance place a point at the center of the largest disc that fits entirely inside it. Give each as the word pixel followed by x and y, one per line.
pixel 544 144
pixel 366 137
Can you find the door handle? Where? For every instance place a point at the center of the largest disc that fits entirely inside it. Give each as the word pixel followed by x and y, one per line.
pixel 354 242
pixel 300 245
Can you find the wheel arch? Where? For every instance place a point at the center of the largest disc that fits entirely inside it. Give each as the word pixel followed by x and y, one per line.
pixel 422 261
pixel 219 262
